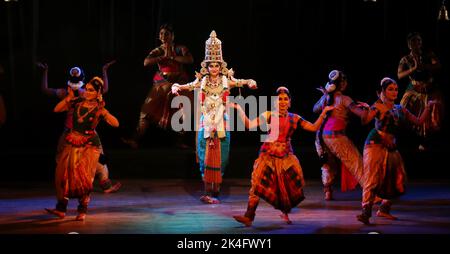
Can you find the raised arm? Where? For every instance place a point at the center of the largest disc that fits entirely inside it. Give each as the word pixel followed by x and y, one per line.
pixel 320 104
pixel 241 82
pixel 176 88
pixel 60 93
pixel 250 124
pixel 185 58
pixel 105 76
pixel 44 81
pixel 404 70
pixel 154 56
pixel 164 53
pixel 371 114
pixel 356 108
pixel 64 104
pixel 110 119
pixel 421 119
pixel 308 126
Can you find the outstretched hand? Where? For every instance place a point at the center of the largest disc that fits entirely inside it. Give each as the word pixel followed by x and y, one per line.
pixel 176 89
pixel 252 84
pixel 321 89
pixel 328 108
pixel 362 105
pixel 230 73
pixel 106 66
pixel 198 75
pixel 70 94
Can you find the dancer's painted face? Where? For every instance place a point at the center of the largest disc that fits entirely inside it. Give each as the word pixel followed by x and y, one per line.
pixel 415 43
pixel 214 69
pixel 284 102
pixel 343 84
pixel 165 36
pixel 90 93
pixel 391 92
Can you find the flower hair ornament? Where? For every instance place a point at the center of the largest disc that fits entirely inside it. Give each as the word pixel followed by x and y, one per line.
pixel 98 84
pixel 282 89
pixel 333 76
pixel 76 77
pixel 385 81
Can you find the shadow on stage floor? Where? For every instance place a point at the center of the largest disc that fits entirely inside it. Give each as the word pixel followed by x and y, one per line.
pixel 172 206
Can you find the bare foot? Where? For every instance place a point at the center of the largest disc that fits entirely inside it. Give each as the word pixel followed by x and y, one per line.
pixel 364 219
pixel 285 218
pixel 244 220
pixel 113 188
pixel 81 217
pixel 60 214
pixel 386 215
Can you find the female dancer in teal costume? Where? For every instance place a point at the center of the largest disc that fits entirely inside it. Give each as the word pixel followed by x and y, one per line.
pixel 384 172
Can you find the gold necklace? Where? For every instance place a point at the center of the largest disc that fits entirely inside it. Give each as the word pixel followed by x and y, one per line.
pixel 214 83
pixel 81 117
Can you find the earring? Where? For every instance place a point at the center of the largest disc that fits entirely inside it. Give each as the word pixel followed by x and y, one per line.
pixel 204 71
pixel 224 71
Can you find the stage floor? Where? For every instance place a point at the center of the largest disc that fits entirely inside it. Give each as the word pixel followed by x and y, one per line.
pixel 172 206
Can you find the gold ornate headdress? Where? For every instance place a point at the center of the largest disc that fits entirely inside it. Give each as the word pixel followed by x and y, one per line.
pixel 213 53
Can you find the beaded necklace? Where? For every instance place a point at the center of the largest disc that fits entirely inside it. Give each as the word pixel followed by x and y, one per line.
pixel 81 117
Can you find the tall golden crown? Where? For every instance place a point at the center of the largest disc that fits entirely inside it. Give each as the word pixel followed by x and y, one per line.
pixel 213 49
pixel 213 53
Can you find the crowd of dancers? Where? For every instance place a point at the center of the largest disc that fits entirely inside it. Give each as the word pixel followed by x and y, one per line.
pixel 277 175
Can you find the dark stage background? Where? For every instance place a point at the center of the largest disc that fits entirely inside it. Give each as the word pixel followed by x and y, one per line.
pixel 294 43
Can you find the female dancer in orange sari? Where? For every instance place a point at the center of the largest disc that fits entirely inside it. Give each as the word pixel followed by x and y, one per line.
pixel 277 176
pixel 77 161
